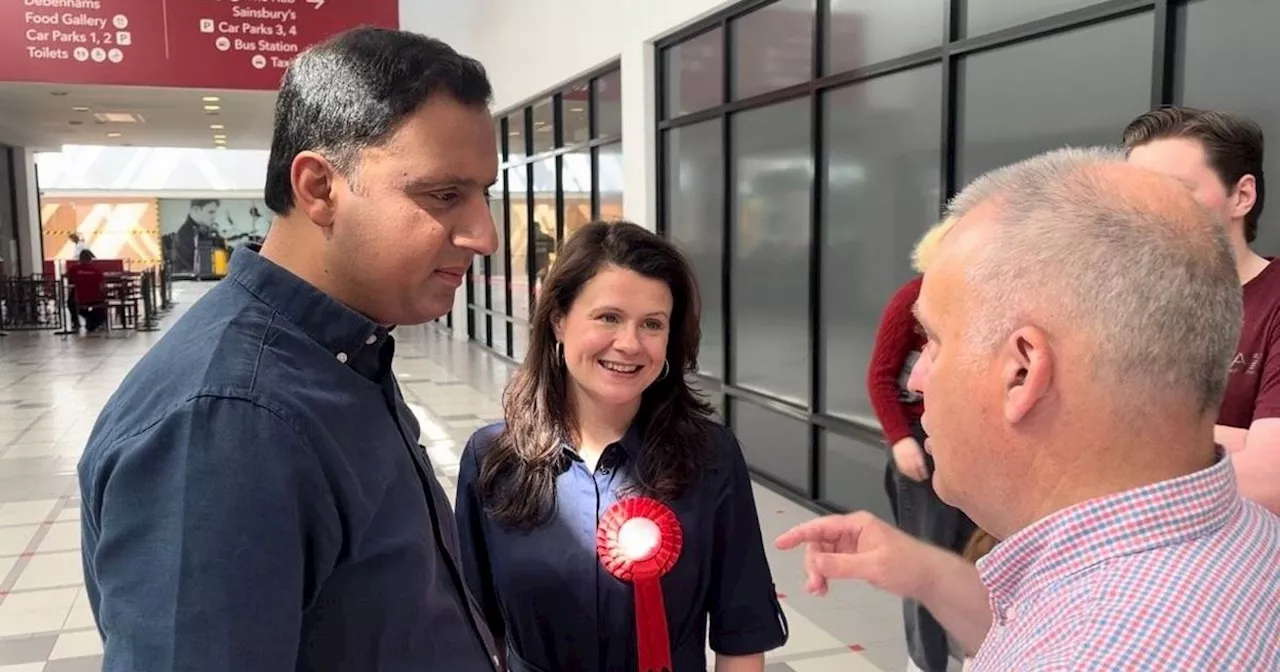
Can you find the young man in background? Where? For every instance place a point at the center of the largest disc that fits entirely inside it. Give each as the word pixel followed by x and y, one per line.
pixel 1218 155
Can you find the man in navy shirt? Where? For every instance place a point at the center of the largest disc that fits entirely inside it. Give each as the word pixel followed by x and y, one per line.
pixel 254 496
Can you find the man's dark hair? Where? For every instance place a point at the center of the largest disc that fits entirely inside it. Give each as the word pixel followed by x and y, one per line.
pixel 197 203
pixel 1232 143
pixel 352 92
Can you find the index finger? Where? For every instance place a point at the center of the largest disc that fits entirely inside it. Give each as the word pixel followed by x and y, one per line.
pixel 827 528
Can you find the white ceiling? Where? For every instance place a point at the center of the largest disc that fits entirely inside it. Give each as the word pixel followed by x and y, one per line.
pixel 45 116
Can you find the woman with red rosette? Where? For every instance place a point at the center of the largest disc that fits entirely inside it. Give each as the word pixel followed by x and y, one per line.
pixel 609 520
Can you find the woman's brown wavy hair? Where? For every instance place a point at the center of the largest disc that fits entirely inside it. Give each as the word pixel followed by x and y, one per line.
pixel 518 472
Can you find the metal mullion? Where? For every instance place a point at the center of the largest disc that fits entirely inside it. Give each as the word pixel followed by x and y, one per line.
pixel 531 251
pixel 660 168
pixel 952 16
pixel 507 305
pixel 594 154
pixel 728 175
pixel 816 137
pixel 1163 54
pixel 593 85
pixel 557 169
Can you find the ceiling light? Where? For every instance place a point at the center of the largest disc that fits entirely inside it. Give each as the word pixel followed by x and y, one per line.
pixel 210 99
pixel 575 109
pixel 118 117
pixel 114 135
pixel 216 127
pixel 212 108
pixel 219 137
pixel 80 108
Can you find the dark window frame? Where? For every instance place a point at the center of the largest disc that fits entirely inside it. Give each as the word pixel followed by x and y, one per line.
pixel 483 304
pixel 954 46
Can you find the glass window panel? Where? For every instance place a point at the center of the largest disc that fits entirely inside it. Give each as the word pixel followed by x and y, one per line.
pixel 852 475
pixel 500 335
pixel 864 32
pixel 476 295
pixel 694 193
pixel 1025 99
pixel 544 219
pixel 609 180
pixel 773 47
pixel 775 444
pixel 519 342
pixel 608 104
pixel 575 182
pixel 518 240
pixel 575 110
pixel 985 16
pixel 498 262
pixel 1223 40
pixel 544 127
pixel 773 171
pixel 881 192
pixel 694 74
pixel 516 137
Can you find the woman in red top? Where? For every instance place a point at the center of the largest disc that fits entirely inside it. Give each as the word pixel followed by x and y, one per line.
pixel 916 507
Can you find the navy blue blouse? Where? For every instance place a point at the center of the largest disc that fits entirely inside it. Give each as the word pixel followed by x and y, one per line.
pixel 559 610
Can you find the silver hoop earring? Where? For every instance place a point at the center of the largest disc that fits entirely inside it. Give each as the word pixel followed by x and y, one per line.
pixel 559 352
pixel 666 368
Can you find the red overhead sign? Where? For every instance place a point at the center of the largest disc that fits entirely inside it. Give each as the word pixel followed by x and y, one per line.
pixel 212 44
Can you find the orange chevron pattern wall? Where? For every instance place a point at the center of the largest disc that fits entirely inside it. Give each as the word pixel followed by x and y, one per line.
pixel 114 228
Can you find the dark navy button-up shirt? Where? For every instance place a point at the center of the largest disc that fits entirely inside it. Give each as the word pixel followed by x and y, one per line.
pixel 559 610
pixel 254 498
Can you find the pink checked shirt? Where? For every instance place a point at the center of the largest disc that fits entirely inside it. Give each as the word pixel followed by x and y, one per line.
pixel 1180 575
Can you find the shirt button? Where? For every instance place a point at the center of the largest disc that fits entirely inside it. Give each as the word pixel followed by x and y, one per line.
pixel 373 338
pixel 342 357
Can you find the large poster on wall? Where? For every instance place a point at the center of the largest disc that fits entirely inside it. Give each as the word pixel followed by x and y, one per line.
pixel 183 43
pixel 199 234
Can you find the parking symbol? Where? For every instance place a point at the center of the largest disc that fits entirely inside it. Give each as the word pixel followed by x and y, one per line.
pixel 124 38
pixel 206 25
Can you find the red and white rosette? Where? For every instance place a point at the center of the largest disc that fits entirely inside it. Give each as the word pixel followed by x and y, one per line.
pixel 639 540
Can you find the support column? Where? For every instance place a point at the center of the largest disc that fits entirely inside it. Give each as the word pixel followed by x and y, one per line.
pixel 639 134
pixel 27 203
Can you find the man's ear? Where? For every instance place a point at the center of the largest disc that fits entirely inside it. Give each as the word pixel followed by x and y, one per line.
pixel 1244 196
pixel 1026 365
pixel 314 181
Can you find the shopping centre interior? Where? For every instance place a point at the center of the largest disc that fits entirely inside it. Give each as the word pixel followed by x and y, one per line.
pixel 794 149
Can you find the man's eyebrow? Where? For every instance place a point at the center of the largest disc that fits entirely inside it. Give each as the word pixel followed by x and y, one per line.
pixel 915 311
pixel 441 180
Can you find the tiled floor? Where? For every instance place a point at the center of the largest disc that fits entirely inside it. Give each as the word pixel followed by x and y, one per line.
pixel 51 389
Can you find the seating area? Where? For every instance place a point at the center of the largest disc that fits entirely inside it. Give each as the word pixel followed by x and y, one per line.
pixel 100 295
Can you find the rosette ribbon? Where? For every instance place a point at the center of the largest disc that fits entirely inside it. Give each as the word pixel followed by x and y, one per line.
pixel 639 540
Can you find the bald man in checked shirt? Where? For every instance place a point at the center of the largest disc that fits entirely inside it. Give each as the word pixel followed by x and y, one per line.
pixel 1070 404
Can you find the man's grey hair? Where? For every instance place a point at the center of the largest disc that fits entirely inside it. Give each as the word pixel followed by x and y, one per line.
pixel 1154 291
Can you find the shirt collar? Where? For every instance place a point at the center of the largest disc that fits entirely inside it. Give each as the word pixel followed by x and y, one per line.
pixel 631 443
pixel 350 337
pixel 1072 540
